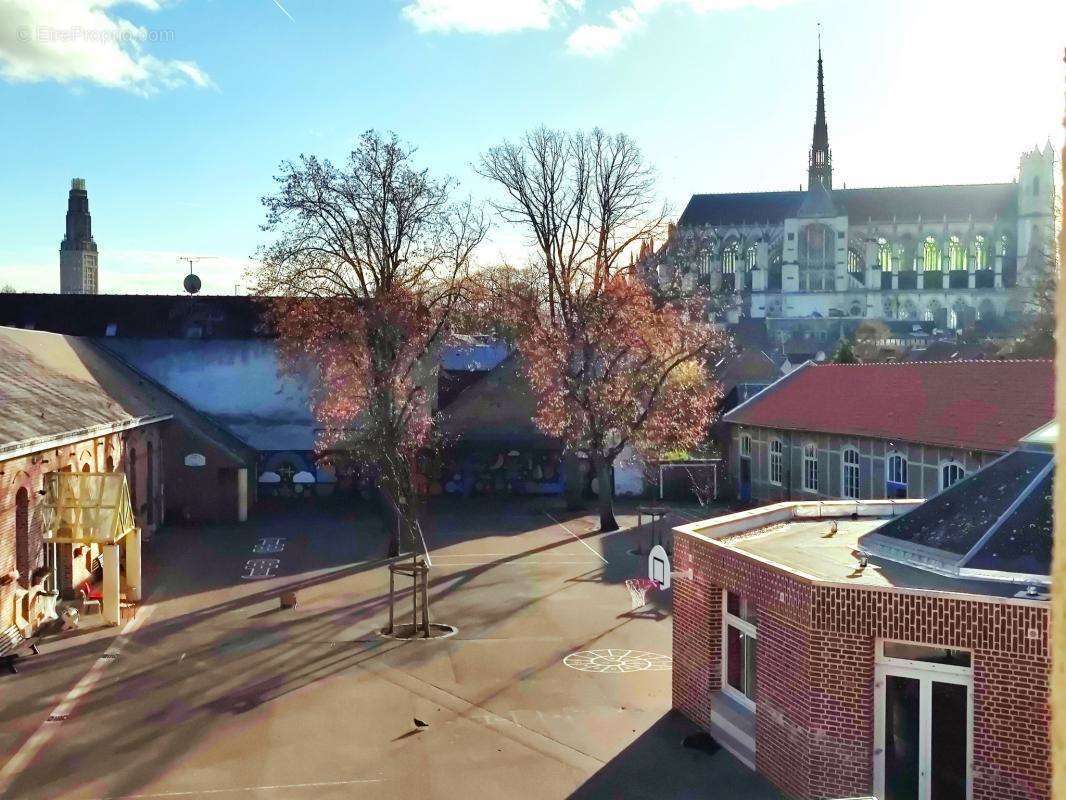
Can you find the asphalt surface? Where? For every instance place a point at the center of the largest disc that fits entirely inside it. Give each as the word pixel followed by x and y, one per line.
pixel 214 691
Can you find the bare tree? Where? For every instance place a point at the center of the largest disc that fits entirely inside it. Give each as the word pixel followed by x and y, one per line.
pixel 363 274
pixel 610 363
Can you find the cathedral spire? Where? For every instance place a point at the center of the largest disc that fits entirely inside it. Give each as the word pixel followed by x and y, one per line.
pixel 820 169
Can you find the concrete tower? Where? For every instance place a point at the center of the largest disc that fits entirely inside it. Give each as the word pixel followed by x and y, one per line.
pixel 78 270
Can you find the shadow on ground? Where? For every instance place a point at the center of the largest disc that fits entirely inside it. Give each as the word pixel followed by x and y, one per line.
pixel 657 767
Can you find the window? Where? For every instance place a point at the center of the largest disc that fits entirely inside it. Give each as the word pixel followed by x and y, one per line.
pixel 956 255
pixel 22 535
pixel 740 634
pixel 850 477
pixel 150 481
pixel 951 473
pixel 884 255
pixel 705 264
pixel 854 262
pixel 980 252
pixel 776 457
pixel 810 468
pixel 729 260
pixel 931 254
pixel 817 254
pixel 751 258
pixel 895 476
pixel 745 445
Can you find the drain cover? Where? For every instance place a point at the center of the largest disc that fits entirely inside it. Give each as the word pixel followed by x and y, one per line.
pixel 57 717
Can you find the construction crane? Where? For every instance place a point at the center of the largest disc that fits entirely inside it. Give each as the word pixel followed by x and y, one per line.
pixel 192 281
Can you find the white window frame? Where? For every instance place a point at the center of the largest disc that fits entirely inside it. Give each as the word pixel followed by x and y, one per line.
pixel 951 462
pixel 810 467
pixel 745 445
pixel 777 459
pixel 905 471
pixel 746 628
pixel 926 674
pixel 844 469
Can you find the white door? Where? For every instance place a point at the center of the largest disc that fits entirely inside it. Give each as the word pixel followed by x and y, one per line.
pixel 923 724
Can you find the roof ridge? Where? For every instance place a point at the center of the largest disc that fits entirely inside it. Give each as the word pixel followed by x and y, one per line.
pixel 983 361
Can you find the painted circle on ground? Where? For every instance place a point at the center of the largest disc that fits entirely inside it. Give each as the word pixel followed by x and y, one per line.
pixel 617 660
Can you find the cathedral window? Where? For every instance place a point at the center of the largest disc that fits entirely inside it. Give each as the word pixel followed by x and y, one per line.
pixel 817 253
pixel 931 254
pixel 956 255
pixel 1004 244
pixel 729 259
pixel 751 258
pixel 854 262
pixel 980 252
pixel 884 255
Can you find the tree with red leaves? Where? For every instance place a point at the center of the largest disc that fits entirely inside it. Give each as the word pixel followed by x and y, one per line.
pixel 360 281
pixel 611 364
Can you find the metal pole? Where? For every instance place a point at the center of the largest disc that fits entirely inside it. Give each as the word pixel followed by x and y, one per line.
pixel 392 598
pixel 425 601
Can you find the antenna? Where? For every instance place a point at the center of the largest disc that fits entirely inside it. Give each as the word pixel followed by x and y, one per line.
pixel 193 259
pixel 192 282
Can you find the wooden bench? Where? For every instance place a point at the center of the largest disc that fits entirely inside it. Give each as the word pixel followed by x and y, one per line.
pixel 13 645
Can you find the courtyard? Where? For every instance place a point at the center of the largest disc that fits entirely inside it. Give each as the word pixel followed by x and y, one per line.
pixel 213 690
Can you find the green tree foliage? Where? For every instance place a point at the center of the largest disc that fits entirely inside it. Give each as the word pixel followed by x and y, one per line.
pixel 845 354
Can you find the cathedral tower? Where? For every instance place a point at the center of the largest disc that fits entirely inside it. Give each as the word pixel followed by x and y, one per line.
pixel 77 252
pixel 820 168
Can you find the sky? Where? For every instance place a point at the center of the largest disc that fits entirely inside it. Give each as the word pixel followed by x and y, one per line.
pixel 178 112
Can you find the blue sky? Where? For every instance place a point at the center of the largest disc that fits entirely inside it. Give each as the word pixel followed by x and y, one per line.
pixel 177 112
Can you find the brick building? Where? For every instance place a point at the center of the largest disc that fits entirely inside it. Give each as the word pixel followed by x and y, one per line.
pixel 873 431
pixel 67 406
pixel 885 647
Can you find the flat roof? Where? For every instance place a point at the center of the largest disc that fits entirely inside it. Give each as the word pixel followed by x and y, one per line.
pixel 800 538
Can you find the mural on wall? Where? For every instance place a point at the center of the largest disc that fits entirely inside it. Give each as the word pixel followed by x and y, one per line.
pixel 502 471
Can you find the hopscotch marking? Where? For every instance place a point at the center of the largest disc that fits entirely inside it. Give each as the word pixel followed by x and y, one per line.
pixel 257 569
pixel 275 545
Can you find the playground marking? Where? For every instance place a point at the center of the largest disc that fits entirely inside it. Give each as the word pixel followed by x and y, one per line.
pixel 553 519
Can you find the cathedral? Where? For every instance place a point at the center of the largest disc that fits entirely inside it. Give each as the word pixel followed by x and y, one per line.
pixel 826 259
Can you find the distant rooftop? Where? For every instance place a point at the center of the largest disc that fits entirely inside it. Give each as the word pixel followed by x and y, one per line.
pixel 885 204
pixel 973 405
pixel 137 316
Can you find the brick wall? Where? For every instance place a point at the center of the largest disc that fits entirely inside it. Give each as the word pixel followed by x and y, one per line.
pixel 815 673
pixel 28 472
pixel 697 643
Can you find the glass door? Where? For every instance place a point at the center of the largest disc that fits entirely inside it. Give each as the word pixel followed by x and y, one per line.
pixel 923 722
pixel 902 737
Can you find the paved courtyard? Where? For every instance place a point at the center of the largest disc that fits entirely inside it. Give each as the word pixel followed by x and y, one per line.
pixel 214 691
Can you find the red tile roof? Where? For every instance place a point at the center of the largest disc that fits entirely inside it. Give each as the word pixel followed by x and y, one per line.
pixel 975 405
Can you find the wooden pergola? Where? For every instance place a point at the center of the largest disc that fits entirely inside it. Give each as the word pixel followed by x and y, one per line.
pixel 94 508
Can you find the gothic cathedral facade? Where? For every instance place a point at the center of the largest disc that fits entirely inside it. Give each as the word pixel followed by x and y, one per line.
pixel 946 255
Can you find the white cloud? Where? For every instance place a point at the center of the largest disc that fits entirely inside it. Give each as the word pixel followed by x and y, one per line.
pixel 485 16
pixel 624 21
pixel 85 40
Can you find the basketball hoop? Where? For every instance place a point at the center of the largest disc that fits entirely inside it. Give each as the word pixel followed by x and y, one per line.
pixel 638 590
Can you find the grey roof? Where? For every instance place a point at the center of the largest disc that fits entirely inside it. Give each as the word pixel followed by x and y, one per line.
pixel 996 523
pixel 53 385
pixel 982 201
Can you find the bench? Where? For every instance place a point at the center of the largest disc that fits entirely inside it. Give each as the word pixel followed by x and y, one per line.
pixel 12 646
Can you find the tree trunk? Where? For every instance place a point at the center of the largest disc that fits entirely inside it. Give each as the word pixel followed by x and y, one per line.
pixel 605 489
pixel 572 484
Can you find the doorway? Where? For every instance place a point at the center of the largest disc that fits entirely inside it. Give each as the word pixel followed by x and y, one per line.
pixel 923 722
